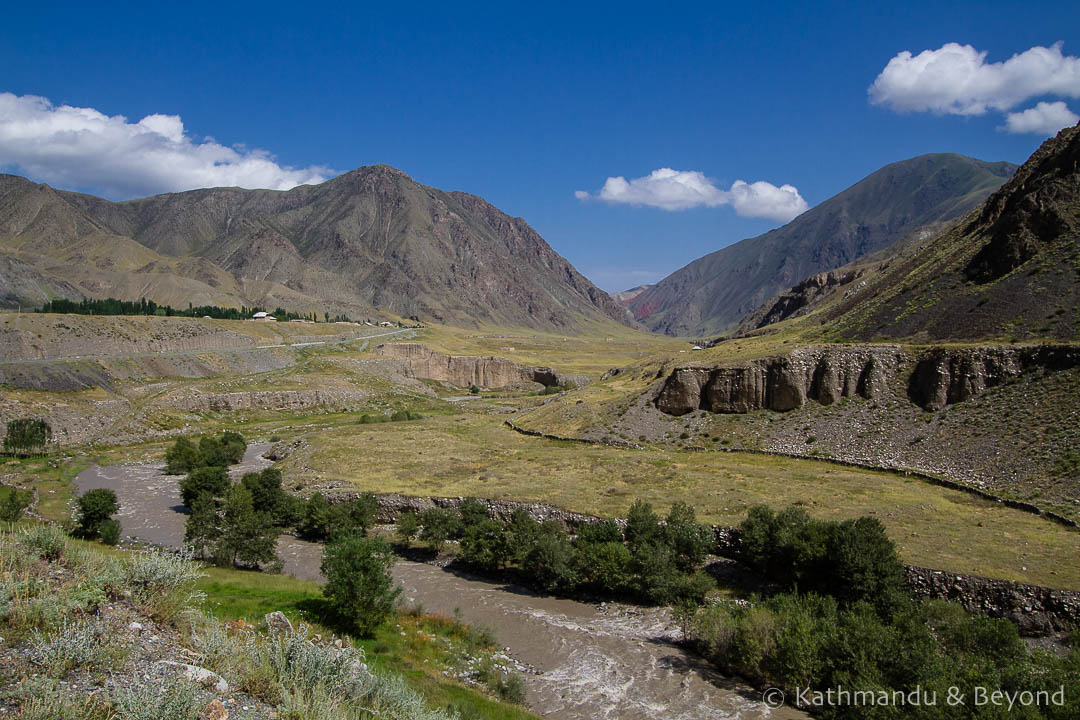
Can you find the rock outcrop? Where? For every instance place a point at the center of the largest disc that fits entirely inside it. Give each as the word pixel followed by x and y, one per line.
pixel 466 370
pixel 943 376
pixel 935 377
pixel 823 374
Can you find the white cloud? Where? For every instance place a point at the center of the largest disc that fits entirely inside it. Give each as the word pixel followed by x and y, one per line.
pixel 1043 119
pixel 956 79
pixel 83 148
pixel 669 189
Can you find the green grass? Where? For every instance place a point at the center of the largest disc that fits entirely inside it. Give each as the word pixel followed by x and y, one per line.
pixel 475 455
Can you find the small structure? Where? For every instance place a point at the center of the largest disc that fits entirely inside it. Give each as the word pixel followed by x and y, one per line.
pixel 264 316
pixel 697 347
pixel 384 323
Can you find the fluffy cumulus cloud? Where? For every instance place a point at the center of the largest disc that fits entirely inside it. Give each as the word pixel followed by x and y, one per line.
pixel 669 189
pixel 1043 119
pixel 84 148
pixel 956 80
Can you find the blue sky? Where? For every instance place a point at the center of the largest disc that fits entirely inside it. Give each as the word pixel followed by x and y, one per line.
pixel 524 105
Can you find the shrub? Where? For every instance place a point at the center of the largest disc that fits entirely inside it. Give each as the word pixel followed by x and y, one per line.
pixel 408 526
pixel 212 480
pixel 316 520
pixel 521 535
pixel 484 544
pixel 642 525
pixel 73 645
pixel 202 528
pixel 95 507
pixel 689 540
pixel 248 538
pixel 399 415
pixel 161 583
pixel 599 532
pixel 474 389
pixel 605 565
pixel 439 525
pixel 48 541
pixel 182 457
pixel 12 503
pixel 472 512
pixel 109 531
pixel 358 582
pixel 551 560
pixel 177 699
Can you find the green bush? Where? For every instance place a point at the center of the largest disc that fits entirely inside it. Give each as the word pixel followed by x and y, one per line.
pixel 316 521
pixel 248 538
pixel 472 512
pixel 109 531
pixel 212 480
pixel 358 581
pixel 551 560
pixel 95 507
pixel 690 541
pixel 439 525
pixel 642 525
pixel 48 541
pixel 12 504
pixel 605 565
pixel 408 526
pixel 182 457
pixel 484 544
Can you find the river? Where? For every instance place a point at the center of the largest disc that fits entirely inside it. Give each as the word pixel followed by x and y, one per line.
pixel 591 661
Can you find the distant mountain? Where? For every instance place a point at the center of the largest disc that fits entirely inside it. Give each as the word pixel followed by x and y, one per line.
pixel 368 241
pixel 1009 271
pixel 625 296
pixel 712 294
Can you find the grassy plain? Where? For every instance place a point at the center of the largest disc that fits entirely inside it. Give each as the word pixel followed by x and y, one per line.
pixel 475 454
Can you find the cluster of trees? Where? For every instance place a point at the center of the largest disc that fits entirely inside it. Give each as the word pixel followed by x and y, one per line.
pixel 27 436
pixel 112 306
pixel 229 523
pixel 317 520
pixel 846 619
pixel 657 562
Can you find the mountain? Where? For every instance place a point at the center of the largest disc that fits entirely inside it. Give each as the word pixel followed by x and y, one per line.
pixel 711 294
pixel 1008 271
pixel 368 241
pixel 625 296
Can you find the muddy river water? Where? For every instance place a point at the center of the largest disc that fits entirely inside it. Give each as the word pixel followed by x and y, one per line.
pixel 589 661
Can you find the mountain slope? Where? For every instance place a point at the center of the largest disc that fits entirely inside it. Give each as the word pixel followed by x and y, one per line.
pixel 369 240
pixel 1011 270
pixel 711 294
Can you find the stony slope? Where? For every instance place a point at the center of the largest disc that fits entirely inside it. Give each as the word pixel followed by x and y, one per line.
pixel 711 294
pixel 370 240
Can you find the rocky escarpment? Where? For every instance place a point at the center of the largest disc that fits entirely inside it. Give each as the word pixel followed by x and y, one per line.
pixel 790 302
pixel 467 370
pixel 933 378
pixel 823 374
pixel 943 376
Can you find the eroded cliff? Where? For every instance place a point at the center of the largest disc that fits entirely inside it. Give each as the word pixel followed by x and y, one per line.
pixel 466 370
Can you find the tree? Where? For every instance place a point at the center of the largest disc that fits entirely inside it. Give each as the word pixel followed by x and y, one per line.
pixel 689 540
pixel 642 524
pixel 109 530
pixel 439 526
pixel 27 435
pixel 521 535
pixel 864 564
pixel 551 559
pixel 484 544
pixel 316 521
pixel 606 565
pixel 472 512
pixel 182 457
pixel 408 525
pixel 11 507
pixel 211 480
pixel 202 529
pixel 265 488
pixel 95 507
pixel 358 581
pixel 248 538
pixel 233 445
